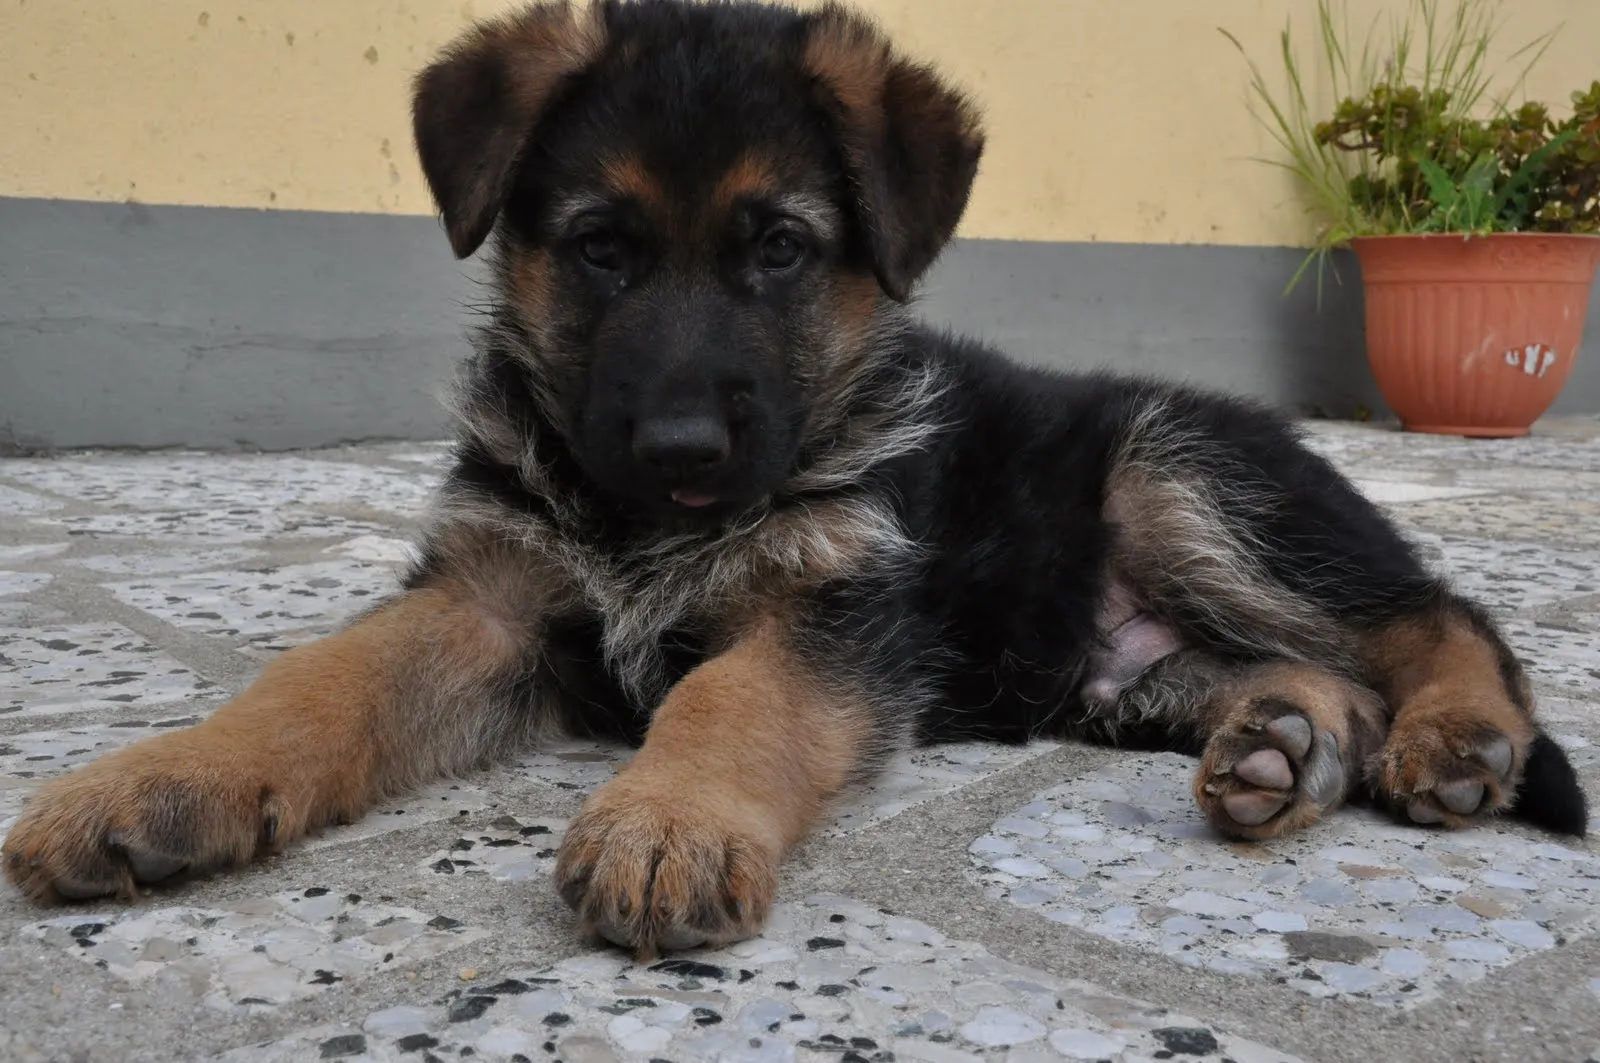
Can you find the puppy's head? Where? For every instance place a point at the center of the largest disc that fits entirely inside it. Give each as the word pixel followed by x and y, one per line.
pixel 701 210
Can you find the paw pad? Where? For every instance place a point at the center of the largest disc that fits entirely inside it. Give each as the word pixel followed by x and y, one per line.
pixel 1432 777
pixel 1270 771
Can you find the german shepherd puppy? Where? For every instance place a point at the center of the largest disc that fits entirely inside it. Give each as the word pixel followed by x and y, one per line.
pixel 717 491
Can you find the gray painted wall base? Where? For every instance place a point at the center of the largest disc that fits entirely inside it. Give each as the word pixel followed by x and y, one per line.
pixel 128 325
pixel 1211 316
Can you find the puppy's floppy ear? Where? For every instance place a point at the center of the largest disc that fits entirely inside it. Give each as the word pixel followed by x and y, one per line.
pixel 474 108
pixel 911 143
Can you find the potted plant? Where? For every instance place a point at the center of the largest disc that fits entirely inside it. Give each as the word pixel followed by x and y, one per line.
pixel 1476 224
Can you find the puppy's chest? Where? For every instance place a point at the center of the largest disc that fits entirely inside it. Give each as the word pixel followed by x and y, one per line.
pixel 639 603
pixel 655 614
pixel 647 598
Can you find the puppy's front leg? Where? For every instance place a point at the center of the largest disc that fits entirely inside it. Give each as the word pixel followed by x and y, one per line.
pixel 743 755
pixel 419 688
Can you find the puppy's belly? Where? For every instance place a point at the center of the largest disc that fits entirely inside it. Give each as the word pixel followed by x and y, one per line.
pixel 1131 639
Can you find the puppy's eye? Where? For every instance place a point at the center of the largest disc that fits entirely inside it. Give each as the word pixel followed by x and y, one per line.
pixel 599 249
pixel 780 249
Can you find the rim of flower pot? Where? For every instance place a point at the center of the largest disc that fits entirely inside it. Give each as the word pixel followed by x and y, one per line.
pixel 1466 237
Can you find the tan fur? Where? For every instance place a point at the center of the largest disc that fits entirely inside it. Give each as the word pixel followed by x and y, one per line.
pixel 1182 540
pixel 531 291
pixel 750 177
pixel 1235 717
pixel 740 760
pixel 857 327
pixel 1435 652
pixel 625 177
pixel 404 695
pixel 544 44
pixel 1444 682
pixel 846 54
pixel 853 300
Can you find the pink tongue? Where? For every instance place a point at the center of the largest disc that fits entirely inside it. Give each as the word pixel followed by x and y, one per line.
pixel 692 500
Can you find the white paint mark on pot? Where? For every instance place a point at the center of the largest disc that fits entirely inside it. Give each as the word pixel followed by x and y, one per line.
pixel 1471 360
pixel 1534 359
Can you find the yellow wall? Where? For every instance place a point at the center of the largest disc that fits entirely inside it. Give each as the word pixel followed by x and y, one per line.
pixel 1116 120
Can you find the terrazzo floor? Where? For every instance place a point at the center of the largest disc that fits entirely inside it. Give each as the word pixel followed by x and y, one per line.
pixel 979 903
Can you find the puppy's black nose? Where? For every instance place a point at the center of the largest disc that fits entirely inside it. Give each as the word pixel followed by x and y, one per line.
pixel 682 444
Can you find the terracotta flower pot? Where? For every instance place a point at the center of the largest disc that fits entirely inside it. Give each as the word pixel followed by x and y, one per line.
pixel 1475 336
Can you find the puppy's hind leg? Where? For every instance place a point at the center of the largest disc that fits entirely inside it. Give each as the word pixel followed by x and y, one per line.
pixel 1206 529
pixel 1281 743
pixel 1256 545
pixel 1465 744
pixel 1286 743
pixel 419 688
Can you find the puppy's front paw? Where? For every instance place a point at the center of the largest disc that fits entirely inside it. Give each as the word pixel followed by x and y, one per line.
pixel 656 862
pixel 159 809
